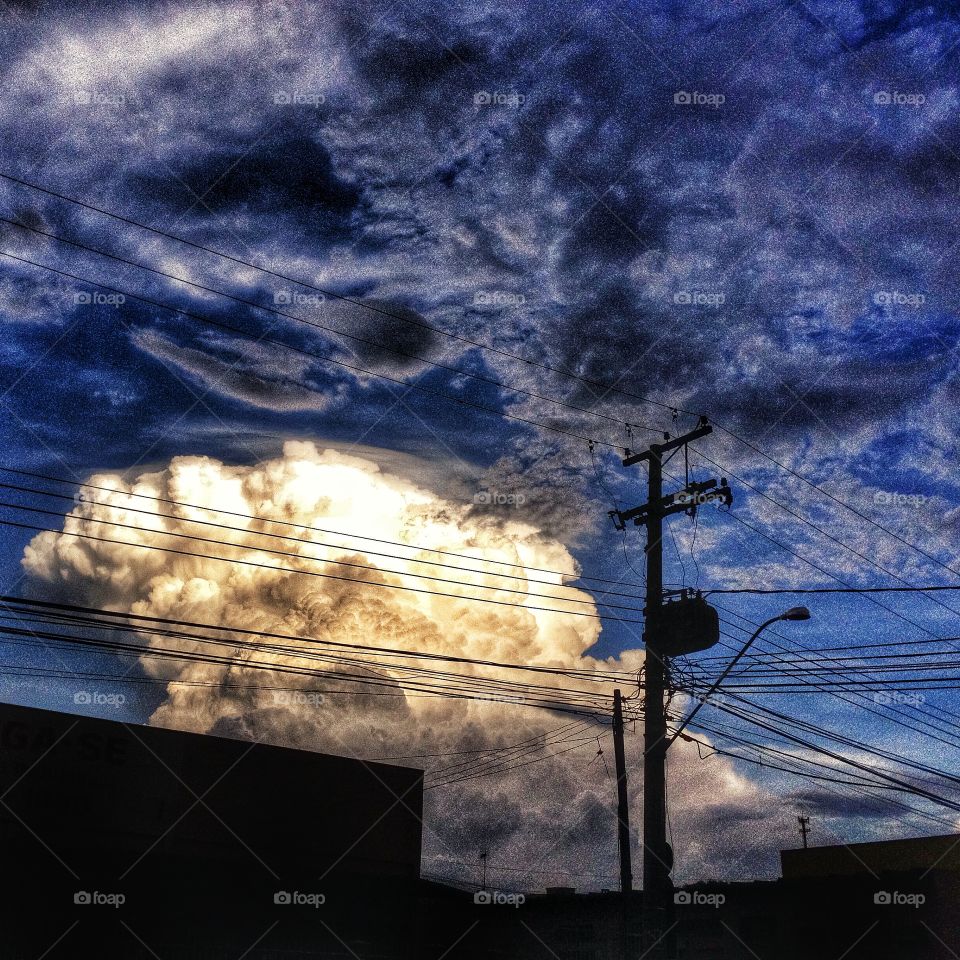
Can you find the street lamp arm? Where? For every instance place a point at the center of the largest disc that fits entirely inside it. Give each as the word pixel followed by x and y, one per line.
pixel 722 677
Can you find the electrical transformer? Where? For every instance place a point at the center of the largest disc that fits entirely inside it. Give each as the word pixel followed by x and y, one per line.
pixel 686 626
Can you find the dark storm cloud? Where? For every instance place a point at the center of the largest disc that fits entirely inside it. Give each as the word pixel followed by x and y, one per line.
pixel 747 210
pixel 712 207
pixel 832 804
pixel 284 170
pixel 404 333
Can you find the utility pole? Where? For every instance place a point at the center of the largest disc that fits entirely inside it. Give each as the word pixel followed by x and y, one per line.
pixel 804 822
pixel 657 854
pixel 623 806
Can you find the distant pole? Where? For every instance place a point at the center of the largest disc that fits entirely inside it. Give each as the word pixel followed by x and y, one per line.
pixel 623 805
pixel 483 860
pixel 804 828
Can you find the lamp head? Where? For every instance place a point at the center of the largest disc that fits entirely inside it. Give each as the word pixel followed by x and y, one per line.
pixel 796 613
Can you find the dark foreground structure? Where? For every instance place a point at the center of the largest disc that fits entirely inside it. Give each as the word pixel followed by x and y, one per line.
pixel 138 843
pixel 129 841
pixel 889 900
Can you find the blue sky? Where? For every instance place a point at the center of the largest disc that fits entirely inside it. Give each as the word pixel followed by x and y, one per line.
pixel 746 210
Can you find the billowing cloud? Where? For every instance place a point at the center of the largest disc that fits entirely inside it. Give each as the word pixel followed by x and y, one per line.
pixel 556 815
pixel 746 210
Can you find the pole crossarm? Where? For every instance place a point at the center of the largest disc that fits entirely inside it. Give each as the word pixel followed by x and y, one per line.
pixel 659 449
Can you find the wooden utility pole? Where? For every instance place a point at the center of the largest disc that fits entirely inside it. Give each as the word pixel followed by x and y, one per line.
pixel 623 805
pixel 657 854
pixel 657 859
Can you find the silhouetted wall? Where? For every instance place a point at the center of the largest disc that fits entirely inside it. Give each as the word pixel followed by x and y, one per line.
pixel 111 835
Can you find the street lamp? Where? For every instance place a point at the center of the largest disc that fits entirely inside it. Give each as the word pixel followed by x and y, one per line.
pixel 794 613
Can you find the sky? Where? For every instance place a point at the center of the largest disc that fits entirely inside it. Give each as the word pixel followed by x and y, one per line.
pixel 739 210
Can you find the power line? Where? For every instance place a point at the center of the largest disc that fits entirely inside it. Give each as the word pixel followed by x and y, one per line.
pixel 337 332
pixel 807 726
pixel 485 750
pixel 278 536
pixel 48 607
pixel 463 687
pixel 839 580
pixel 296 556
pixel 823 570
pixel 324 358
pixel 316 573
pixel 774 590
pixel 824 533
pixel 900 718
pixel 857 787
pixel 837 500
pixel 558 753
pixel 456 370
pixel 346 299
pixel 503 757
pixel 299 526
pixel 606 387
